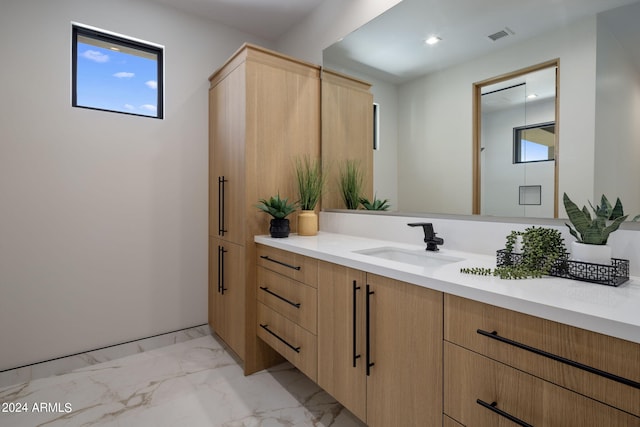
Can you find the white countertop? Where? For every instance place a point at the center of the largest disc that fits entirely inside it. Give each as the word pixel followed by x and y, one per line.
pixel 609 310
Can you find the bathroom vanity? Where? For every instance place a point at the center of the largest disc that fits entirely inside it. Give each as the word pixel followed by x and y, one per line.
pixel 401 337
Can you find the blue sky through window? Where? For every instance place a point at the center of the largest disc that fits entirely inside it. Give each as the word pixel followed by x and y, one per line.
pixel 533 152
pixel 116 81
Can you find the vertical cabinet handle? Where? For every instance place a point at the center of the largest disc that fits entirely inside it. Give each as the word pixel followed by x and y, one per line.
pixel 355 329
pixel 221 252
pixel 494 408
pixel 221 226
pixel 368 329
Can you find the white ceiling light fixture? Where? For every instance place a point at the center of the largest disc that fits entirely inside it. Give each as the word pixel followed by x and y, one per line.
pixel 433 40
pixel 532 96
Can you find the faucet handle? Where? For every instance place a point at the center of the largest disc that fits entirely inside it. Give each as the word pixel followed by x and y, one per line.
pixel 429 235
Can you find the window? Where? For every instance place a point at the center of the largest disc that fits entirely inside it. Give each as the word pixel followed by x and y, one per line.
pixel 534 143
pixel 114 73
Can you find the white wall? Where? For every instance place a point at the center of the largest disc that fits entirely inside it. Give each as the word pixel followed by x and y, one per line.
pixel 103 216
pixel 435 124
pixel 617 126
pixel 501 178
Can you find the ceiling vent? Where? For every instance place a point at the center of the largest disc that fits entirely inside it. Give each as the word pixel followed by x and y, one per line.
pixel 500 34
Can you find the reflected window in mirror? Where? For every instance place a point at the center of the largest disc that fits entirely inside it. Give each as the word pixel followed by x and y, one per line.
pixel 534 143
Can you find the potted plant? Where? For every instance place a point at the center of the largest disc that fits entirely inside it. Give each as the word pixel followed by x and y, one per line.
pixel 279 209
pixel 541 249
pixel 592 233
pixel 351 181
pixel 374 205
pixel 310 181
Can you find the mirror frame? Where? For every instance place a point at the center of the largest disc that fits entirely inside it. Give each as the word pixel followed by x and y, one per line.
pixel 477 129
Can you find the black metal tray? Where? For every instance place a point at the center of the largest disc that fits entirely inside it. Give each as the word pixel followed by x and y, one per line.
pixel 611 275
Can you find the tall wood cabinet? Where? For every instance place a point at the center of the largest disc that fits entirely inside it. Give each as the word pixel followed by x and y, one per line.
pixel 347 131
pixel 380 346
pixel 264 111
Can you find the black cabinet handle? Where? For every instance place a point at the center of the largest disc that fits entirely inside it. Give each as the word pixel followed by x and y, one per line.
pixel 355 330
pixel 270 292
pixel 266 328
pixel 368 329
pixel 221 199
pixel 494 335
pixel 494 408
pixel 266 257
pixel 221 252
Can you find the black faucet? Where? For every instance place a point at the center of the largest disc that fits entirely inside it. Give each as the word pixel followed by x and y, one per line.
pixel 429 235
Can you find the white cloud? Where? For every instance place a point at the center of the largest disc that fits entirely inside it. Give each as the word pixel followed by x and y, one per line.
pixel 149 107
pixel 152 84
pixel 129 107
pixel 94 55
pixel 124 75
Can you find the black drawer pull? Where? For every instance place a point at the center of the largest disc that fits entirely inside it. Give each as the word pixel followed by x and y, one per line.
pixel 266 328
pixel 494 335
pixel 493 407
pixel 270 292
pixel 280 262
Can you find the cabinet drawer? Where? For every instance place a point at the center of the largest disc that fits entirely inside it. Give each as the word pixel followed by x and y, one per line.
pixel 483 328
pixel 472 380
pixel 294 300
pixel 297 345
pixel 297 267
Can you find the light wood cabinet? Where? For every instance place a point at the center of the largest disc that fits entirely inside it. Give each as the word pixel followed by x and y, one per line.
pixel 264 111
pixel 589 367
pixel 227 292
pixel 347 131
pixel 480 391
pixel 380 347
pixel 287 308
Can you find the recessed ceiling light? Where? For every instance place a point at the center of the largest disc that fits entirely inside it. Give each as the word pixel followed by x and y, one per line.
pixel 432 40
pixel 533 95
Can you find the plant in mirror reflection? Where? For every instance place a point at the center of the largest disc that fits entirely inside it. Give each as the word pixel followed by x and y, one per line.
pixel 351 182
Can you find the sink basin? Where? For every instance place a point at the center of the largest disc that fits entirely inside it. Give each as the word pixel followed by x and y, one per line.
pixel 420 258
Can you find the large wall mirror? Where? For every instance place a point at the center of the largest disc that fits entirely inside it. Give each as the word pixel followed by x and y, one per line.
pixel 425 92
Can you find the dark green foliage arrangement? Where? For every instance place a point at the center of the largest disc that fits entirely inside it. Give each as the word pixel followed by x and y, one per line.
pixel 375 205
pixel 276 207
pixel 541 248
pixel 594 230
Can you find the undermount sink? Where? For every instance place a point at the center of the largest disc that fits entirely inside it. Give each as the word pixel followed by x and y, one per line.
pixel 420 258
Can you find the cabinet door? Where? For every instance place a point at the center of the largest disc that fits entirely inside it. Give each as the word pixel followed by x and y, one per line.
pixel 404 387
pixel 227 293
pixel 226 157
pixel 341 370
pixel 483 392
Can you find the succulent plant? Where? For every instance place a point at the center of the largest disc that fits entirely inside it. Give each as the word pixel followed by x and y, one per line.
pixel 375 205
pixel 276 207
pixel 594 230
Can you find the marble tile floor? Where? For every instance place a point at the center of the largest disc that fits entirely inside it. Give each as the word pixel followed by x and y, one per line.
pixel 193 383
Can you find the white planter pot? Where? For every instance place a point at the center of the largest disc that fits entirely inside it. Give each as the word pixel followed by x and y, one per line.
pixel 597 254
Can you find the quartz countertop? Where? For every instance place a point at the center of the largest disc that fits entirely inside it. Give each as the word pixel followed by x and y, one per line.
pixel 605 309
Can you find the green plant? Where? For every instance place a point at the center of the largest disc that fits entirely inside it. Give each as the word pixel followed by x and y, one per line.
pixel 310 180
pixel 276 207
pixel 351 181
pixel 594 230
pixel 375 205
pixel 542 248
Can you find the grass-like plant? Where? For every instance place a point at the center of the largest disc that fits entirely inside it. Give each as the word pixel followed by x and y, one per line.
pixel 310 179
pixel 374 205
pixel 351 181
pixel 276 207
pixel 594 230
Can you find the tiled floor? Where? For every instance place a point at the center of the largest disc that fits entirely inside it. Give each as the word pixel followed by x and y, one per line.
pixel 193 383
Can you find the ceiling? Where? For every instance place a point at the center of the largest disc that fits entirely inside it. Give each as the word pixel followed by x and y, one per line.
pixel 268 19
pixel 386 47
